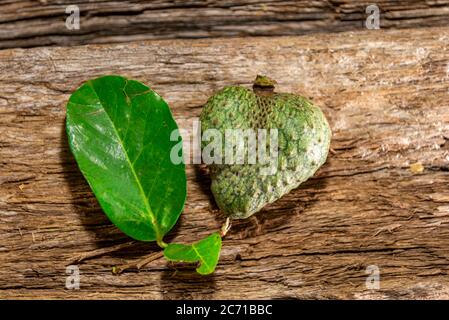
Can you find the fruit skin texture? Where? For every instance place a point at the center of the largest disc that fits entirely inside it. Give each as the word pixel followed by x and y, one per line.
pixel 304 135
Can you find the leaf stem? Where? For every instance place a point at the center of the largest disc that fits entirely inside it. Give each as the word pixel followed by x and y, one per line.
pixel 161 243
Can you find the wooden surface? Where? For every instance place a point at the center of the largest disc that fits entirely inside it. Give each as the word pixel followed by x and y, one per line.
pixel 386 95
pixel 29 23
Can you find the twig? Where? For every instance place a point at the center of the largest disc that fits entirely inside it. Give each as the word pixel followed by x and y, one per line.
pixel 99 252
pixel 225 227
pixel 139 263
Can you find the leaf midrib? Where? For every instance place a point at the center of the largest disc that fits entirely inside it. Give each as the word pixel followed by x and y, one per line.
pixel 202 260
pixel 142 193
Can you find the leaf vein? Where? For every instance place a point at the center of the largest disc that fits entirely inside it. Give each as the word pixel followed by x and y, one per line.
pixel 139 185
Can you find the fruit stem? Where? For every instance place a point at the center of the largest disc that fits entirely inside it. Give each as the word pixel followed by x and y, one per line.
pixel 263 84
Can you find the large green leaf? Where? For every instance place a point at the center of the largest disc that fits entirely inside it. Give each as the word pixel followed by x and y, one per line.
pixel 206 252
pixel 119 132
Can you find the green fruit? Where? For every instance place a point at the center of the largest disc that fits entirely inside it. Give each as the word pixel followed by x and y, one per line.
pixel 303 139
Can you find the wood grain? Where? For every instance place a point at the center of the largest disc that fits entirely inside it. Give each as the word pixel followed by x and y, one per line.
pixel 30 23
pixel 386 95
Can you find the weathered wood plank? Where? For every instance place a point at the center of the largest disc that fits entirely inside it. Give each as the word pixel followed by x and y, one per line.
pixel 386 95
pixel 29 23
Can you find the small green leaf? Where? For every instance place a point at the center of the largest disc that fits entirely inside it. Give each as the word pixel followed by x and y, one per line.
pixel 206 252
pixel 119 131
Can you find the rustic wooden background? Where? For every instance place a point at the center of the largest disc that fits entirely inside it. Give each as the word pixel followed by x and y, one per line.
pixel 28 23
pixel 381 199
